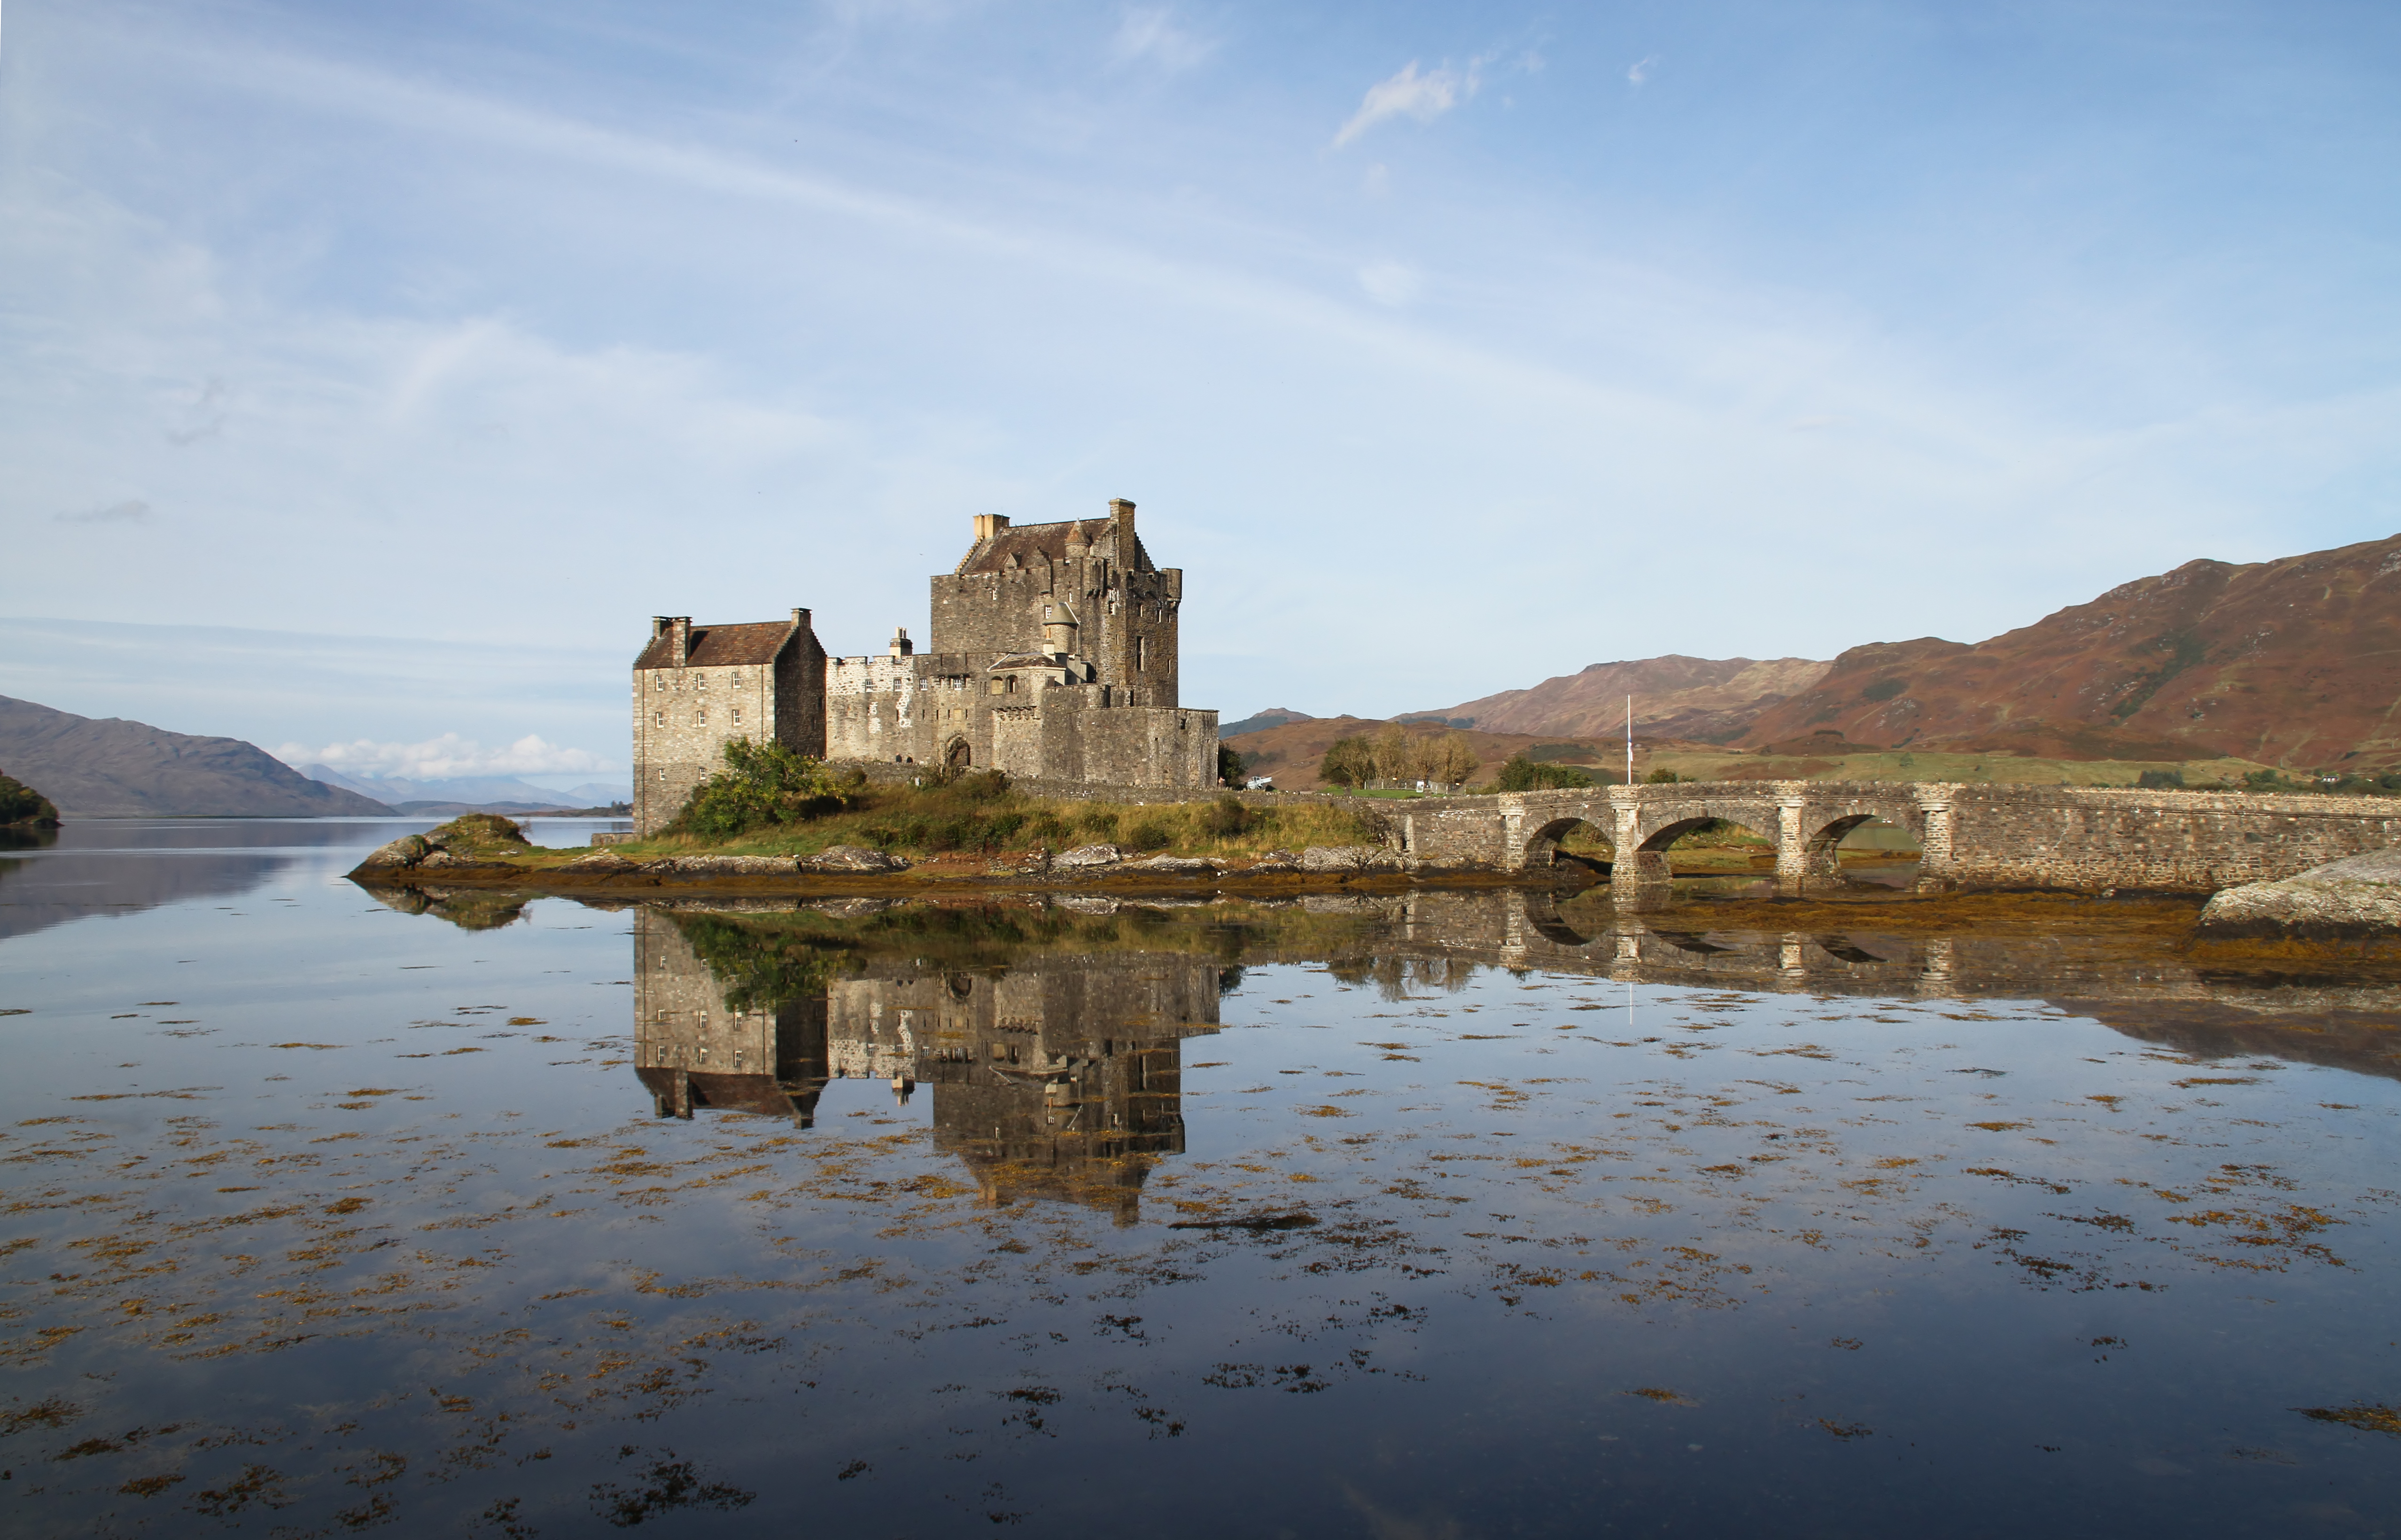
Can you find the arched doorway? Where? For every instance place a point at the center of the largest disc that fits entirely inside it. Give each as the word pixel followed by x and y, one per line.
pixel 958 758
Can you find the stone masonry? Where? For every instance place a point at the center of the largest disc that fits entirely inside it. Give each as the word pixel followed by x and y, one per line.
pixel 1052 657
pixel 2082 837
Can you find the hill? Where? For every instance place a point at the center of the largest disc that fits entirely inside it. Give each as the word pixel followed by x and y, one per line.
pixel 1704 699
pixel 2294 663
pixel 107 767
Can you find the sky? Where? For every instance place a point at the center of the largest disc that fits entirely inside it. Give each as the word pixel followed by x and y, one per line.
pixel 370 374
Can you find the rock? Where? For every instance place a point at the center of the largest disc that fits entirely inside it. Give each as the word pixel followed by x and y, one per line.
pixel 601 861
pixel 1349 858
pixel 1175 866
pixel 1274 861
pixel 406 850
pixel 1087 856
pixel 852 858
pixel 728 865
pixel 1085 906
pixel 2358 895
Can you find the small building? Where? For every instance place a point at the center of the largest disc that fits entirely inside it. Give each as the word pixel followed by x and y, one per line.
pixel 1053 656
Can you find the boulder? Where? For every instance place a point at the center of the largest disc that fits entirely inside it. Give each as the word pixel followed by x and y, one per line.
pixel 2359 895
pixel 1174 866
pixel 1349 858
pixel 1085 856
pixel 728 865
pixel 601 861
pixel 406 850
pixel 852 858
pixel 1274 861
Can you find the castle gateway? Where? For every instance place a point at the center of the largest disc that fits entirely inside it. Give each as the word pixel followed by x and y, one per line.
pixel 1053 656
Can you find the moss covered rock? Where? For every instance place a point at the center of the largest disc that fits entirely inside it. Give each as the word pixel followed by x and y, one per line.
pixel 20 804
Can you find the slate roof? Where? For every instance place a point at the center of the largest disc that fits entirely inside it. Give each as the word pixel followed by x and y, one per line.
pixel 720 647
pixel 1038 544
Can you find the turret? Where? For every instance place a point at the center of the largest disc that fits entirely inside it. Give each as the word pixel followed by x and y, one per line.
pixel 1059 628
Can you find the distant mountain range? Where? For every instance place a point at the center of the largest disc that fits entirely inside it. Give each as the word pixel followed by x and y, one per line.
pixel 1706 700
pixel 2294 663
pixel 108 768
pixel 470 790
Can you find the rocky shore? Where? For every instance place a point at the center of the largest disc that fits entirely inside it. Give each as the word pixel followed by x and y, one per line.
pixel 488 851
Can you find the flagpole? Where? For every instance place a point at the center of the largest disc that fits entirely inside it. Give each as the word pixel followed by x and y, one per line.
pixel 1630 739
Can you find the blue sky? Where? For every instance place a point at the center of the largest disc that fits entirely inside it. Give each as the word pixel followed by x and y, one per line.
pixel 1446 347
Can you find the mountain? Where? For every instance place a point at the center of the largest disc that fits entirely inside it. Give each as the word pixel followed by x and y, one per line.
pixel 1258 721
pixel 1706 700
pixel 474 790
pixel 107 767
pixel 2294 663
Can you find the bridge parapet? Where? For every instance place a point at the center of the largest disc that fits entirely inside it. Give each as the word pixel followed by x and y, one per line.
pixel 1980 836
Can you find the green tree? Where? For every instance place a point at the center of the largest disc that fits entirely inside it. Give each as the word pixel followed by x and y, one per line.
pixel 1348 762
pixel 761 785
pixel 1230 769
pixel 21 804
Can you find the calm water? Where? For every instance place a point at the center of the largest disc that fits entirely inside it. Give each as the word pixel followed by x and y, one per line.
pixel 1452 1217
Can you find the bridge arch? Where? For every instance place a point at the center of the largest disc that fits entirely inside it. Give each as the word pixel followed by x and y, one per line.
pixel 1588 839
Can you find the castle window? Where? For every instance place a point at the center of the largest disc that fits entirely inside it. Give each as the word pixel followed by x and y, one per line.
pixel 700 681
pixel 700 718
pixel 1141 650
pixel 663 718
pixel 737 716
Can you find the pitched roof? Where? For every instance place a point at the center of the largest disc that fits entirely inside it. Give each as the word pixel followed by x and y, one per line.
pixel 720 647
pixel 1038 544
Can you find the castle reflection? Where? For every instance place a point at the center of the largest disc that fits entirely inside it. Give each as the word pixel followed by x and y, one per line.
pixel 1058 1076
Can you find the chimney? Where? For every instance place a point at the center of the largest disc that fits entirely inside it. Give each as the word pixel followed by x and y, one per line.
pixel 901 645
pixel 800 615
pixel 677 629
pixel 989 525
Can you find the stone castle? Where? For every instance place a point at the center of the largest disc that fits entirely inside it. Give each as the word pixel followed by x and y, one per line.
pixel 1052 657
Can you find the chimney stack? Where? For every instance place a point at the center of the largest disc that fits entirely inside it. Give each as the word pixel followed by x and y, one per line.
pixel 679 634
pixel 901 645
pixel 989 525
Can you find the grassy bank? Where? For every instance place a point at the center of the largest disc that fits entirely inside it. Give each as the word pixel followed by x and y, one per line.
pixel 979 815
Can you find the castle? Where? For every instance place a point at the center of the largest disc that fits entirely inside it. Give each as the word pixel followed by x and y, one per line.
pixel 1053 656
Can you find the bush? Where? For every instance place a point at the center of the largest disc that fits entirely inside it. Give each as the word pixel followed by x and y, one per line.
pixel 1230 769
pixel 1225 816
pixel 1522 774
pixel 762 786
pixel 1148 834
pixel 1101 826
pixel 1662 778
pixel 2160 780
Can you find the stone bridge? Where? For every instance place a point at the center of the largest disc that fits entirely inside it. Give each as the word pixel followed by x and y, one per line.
pixel 2084 837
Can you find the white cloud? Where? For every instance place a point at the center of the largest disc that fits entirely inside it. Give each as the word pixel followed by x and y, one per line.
pixel 1639 71
pixel 1409 94
pixel 439 759
pixel 131 510
pixel 1390 283
pixel 1150 32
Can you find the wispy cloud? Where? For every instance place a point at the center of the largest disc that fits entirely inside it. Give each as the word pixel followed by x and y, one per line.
pixel 1643 68
pixel 1409 94
pixel 439 759
pixel 1150 34
pixel 131 510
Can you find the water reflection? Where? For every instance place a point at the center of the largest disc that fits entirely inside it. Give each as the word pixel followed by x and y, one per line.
pixel 1059 1076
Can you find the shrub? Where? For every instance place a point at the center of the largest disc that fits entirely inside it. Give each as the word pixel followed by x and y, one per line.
pixel 1230 769
pixel 1225 816
pixel 21 804
pixel 1099 825
pixel 1522 774
pixel 1662 778
pixel 1148 834
pixel 761 785
pixel 2160 780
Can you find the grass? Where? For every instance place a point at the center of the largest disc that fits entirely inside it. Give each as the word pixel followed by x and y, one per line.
pixel 928 821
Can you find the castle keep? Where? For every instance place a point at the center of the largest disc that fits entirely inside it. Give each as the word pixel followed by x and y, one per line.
pixel 1053 656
